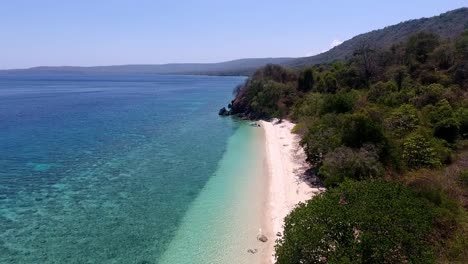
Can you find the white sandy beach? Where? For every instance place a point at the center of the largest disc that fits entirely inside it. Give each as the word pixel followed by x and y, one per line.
pixel 286 164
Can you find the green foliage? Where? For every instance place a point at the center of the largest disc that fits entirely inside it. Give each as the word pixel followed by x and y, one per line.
pixel 270 93
pixel 430 94
pixel 384 93
pixel 402 120
pixel 419 46
pixel 359 129
pixel 327 83
pixel 462 116
pixel 306 80
pixel 409 103
pixel 463 178
pixel 321 138
pixel 443 57
pixel 419 151
pixel 346 163
pixel 447 129
pixel 341 102
pixel 398 74
pixel 309 106
pixel 441 111
pixel 359 222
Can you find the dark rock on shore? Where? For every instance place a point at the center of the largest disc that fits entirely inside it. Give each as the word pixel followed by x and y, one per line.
pixel 223 112
pixel 262 238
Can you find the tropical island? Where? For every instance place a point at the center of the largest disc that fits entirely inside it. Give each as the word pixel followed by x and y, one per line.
pixel 385 131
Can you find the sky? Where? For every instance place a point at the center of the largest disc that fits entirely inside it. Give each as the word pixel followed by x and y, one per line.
pixel 99 32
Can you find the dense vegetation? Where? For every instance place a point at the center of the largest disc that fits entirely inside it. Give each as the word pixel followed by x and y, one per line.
pixel 359 222
pixel 386 131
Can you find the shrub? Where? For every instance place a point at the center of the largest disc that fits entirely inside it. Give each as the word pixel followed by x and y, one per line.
pixel 306 80
pixel 359 222
pixel 418 151
pixel 447 129
pixel 419 46
pixel 341 102
pixel 328 83
pixel 320 140
pixel 402 120
pixel 462 116
pixel 346 163
pixel 359 129
pixel 442 110
pixel 382 92
pixel 463 177
pixel 430 94
pixel 309 106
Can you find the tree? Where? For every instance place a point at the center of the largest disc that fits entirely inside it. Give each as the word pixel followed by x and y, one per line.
pixel 419 46
pixel 341 102
pixel 430 94
pixel 441 111
pixel 306 80
pixel 320 140
pixel 462 116
pixel 346 163
pixel 402 120
pixel 359 129
pixel 359 222
pixel 398 75
pixel 447 129
pixel 418 152
pixel 365 59
pixel 328 83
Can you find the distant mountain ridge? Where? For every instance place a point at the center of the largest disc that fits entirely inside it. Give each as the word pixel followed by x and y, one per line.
pixel 234 67
pixel 446 25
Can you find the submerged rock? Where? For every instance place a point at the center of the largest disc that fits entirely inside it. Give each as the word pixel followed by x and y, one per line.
pixel 252 251
pixel 262 238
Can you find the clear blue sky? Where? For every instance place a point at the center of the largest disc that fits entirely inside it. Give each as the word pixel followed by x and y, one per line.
pixel 98 32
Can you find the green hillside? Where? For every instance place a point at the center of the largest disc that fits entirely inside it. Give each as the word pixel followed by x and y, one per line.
pixel 386 130
pixel 447 25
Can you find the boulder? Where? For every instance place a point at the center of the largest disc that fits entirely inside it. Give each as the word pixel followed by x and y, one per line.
pixel 262 238
pixel 278 234
pixel 223 112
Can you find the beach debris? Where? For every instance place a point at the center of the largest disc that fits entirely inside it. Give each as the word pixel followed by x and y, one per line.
pixel 252 251
pixel 262 238
pixel 279 234
pixel 255 124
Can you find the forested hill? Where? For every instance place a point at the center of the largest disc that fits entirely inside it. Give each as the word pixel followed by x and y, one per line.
pixel 387 133
pixel 446 25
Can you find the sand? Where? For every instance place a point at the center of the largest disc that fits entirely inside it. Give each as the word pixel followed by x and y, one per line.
pixel 285 167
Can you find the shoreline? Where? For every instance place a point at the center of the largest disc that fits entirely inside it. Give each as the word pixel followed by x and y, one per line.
pixel 285 165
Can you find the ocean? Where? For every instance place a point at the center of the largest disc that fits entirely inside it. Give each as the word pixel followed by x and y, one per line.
pixel 126 169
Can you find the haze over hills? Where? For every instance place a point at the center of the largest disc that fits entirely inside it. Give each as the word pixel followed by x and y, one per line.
pixel 234 67
pixel 446 25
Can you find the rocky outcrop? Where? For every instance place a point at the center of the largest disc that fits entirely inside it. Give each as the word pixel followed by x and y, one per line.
pixel 224 112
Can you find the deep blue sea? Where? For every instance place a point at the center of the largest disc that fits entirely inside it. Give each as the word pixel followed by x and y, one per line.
pixel 118 169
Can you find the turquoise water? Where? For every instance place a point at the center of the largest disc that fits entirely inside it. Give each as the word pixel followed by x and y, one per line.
pixel 124 169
